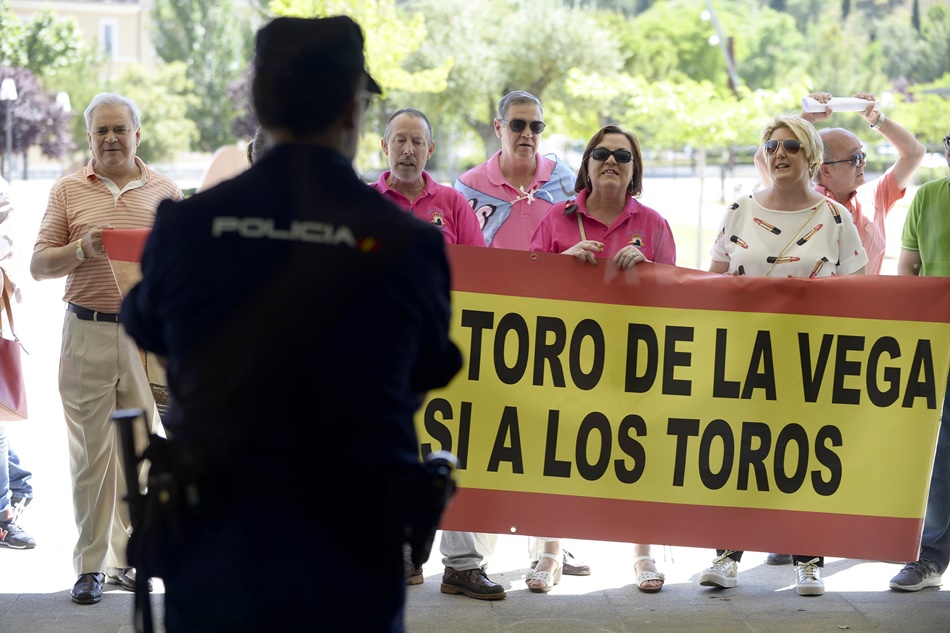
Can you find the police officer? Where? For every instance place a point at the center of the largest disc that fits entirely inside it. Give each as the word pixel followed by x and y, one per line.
pixel 302 316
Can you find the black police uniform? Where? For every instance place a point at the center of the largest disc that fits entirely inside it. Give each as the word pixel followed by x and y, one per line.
pixel 302 316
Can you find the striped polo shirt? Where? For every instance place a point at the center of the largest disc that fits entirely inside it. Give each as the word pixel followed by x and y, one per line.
pixel 83 200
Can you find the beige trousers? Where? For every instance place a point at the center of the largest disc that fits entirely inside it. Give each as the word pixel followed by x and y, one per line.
pixel 100 370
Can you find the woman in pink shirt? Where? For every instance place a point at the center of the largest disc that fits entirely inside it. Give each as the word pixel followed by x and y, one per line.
pixel 605 220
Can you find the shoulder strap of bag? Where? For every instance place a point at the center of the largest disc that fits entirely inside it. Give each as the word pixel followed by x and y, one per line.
pixel 6 300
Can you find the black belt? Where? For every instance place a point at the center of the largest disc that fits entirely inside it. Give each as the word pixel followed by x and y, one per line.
pixel 85 314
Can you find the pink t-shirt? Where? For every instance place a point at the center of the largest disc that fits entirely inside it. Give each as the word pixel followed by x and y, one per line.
pixel 486 189
pixel 637 224
pixel 882 194
pixel 441 206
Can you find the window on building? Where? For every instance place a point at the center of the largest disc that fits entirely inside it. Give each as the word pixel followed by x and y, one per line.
pixel 108 37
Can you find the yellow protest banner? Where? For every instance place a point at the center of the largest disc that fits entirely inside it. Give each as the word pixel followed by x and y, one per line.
pixel 673 406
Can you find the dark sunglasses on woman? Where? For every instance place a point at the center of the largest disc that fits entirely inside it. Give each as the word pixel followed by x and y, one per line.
pixel 791 146
pixel 620 155
pixel 518 125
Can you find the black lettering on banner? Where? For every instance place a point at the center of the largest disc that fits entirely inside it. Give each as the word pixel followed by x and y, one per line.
pixel 588 328
pixel 554 467
pixel 791 433
pixel 891 375
pixel 441 433
pixel 478 321
pixel 501 451
pixel 511 322
pixel 549 351
pixel 927 387
pixel 682 429
pixel 754 458
pixel 722 430
pixel 829 459
pixel 761 356
pixel 641 333
pixel 631 448
pixel 594 421
pixel 845 367
pixel 811 380
pixel 673 359
pixel 722 388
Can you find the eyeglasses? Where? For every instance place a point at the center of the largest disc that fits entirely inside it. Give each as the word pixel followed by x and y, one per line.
pixel 855 160
pixel 518 125
pixel 946 142
pixel 791 146
pixel 620 155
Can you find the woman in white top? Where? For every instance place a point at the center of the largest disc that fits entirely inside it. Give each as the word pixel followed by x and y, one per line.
pixel 788 229
pixel 785 230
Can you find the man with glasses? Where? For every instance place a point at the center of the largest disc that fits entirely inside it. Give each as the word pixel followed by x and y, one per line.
pixel 511 190
pixel 925 250
pixel 841 175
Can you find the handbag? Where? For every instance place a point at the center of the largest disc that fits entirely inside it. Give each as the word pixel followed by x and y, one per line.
pixel 12 389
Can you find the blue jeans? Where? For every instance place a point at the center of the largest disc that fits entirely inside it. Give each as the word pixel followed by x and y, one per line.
pixel 935 542
pixel 13 477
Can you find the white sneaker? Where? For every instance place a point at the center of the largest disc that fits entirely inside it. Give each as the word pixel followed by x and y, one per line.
pixel 809 582
pixel 722 573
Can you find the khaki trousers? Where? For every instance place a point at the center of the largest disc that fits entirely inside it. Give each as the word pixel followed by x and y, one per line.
pixel 100 370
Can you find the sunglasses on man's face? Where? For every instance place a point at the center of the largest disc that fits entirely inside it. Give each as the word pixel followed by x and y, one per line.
pixel 620 155
pixel 855 160
pixel 791 146
pixel 518 125
pixel 946 142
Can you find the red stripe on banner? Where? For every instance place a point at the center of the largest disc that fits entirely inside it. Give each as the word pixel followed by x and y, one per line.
pixel 125 245
pixel 552 276
pixel 805 533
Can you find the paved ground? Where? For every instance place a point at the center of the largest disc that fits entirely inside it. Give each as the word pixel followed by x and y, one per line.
pixel 34 584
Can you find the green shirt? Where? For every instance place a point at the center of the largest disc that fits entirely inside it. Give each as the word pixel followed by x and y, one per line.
pixel 927 228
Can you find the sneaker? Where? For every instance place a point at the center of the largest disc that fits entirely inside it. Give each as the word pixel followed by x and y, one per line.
pixel 917 575
pixel 474 583
pixel 778 559
pixel 15 537
pixel 808 581
pixel 722 573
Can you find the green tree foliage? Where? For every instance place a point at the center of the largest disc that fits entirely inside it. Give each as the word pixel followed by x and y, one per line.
pixel 208 38
pixel 165 96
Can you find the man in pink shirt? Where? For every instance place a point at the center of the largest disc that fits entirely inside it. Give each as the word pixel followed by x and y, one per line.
pixel 511 190
pixel 841 175
pixel 408 144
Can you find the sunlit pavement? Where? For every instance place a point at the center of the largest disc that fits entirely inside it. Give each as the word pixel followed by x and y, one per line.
pixel 35 584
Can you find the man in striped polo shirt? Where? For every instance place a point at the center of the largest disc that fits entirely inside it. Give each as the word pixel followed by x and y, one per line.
pixel 100 367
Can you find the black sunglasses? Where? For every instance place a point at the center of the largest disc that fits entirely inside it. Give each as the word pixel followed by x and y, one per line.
pixel 946 142
pixel 518 125
pixel 855 160
pixel 620 155
pixel 791 146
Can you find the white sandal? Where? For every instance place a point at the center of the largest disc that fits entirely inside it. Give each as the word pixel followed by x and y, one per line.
pixel 549 579
pixel 644 577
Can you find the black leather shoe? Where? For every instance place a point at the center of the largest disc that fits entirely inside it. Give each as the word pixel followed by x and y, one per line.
pixel 778 559
pixel 471 582
pixel 124 578
pixel 88 589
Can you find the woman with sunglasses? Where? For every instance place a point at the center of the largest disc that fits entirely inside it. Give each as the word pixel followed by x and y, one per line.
pixel 606 219
pixel 785 230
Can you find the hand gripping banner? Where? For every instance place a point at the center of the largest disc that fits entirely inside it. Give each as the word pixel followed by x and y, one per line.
pixel 666 405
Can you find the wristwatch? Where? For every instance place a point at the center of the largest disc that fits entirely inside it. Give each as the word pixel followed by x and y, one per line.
pixel 880 121
pixel 80 254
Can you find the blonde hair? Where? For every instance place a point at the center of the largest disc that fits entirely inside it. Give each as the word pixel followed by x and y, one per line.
pixel 806 134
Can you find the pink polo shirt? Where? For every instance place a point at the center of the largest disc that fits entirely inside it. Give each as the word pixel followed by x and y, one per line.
pixel 637 224
pixel 882 194
pixel 441 206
